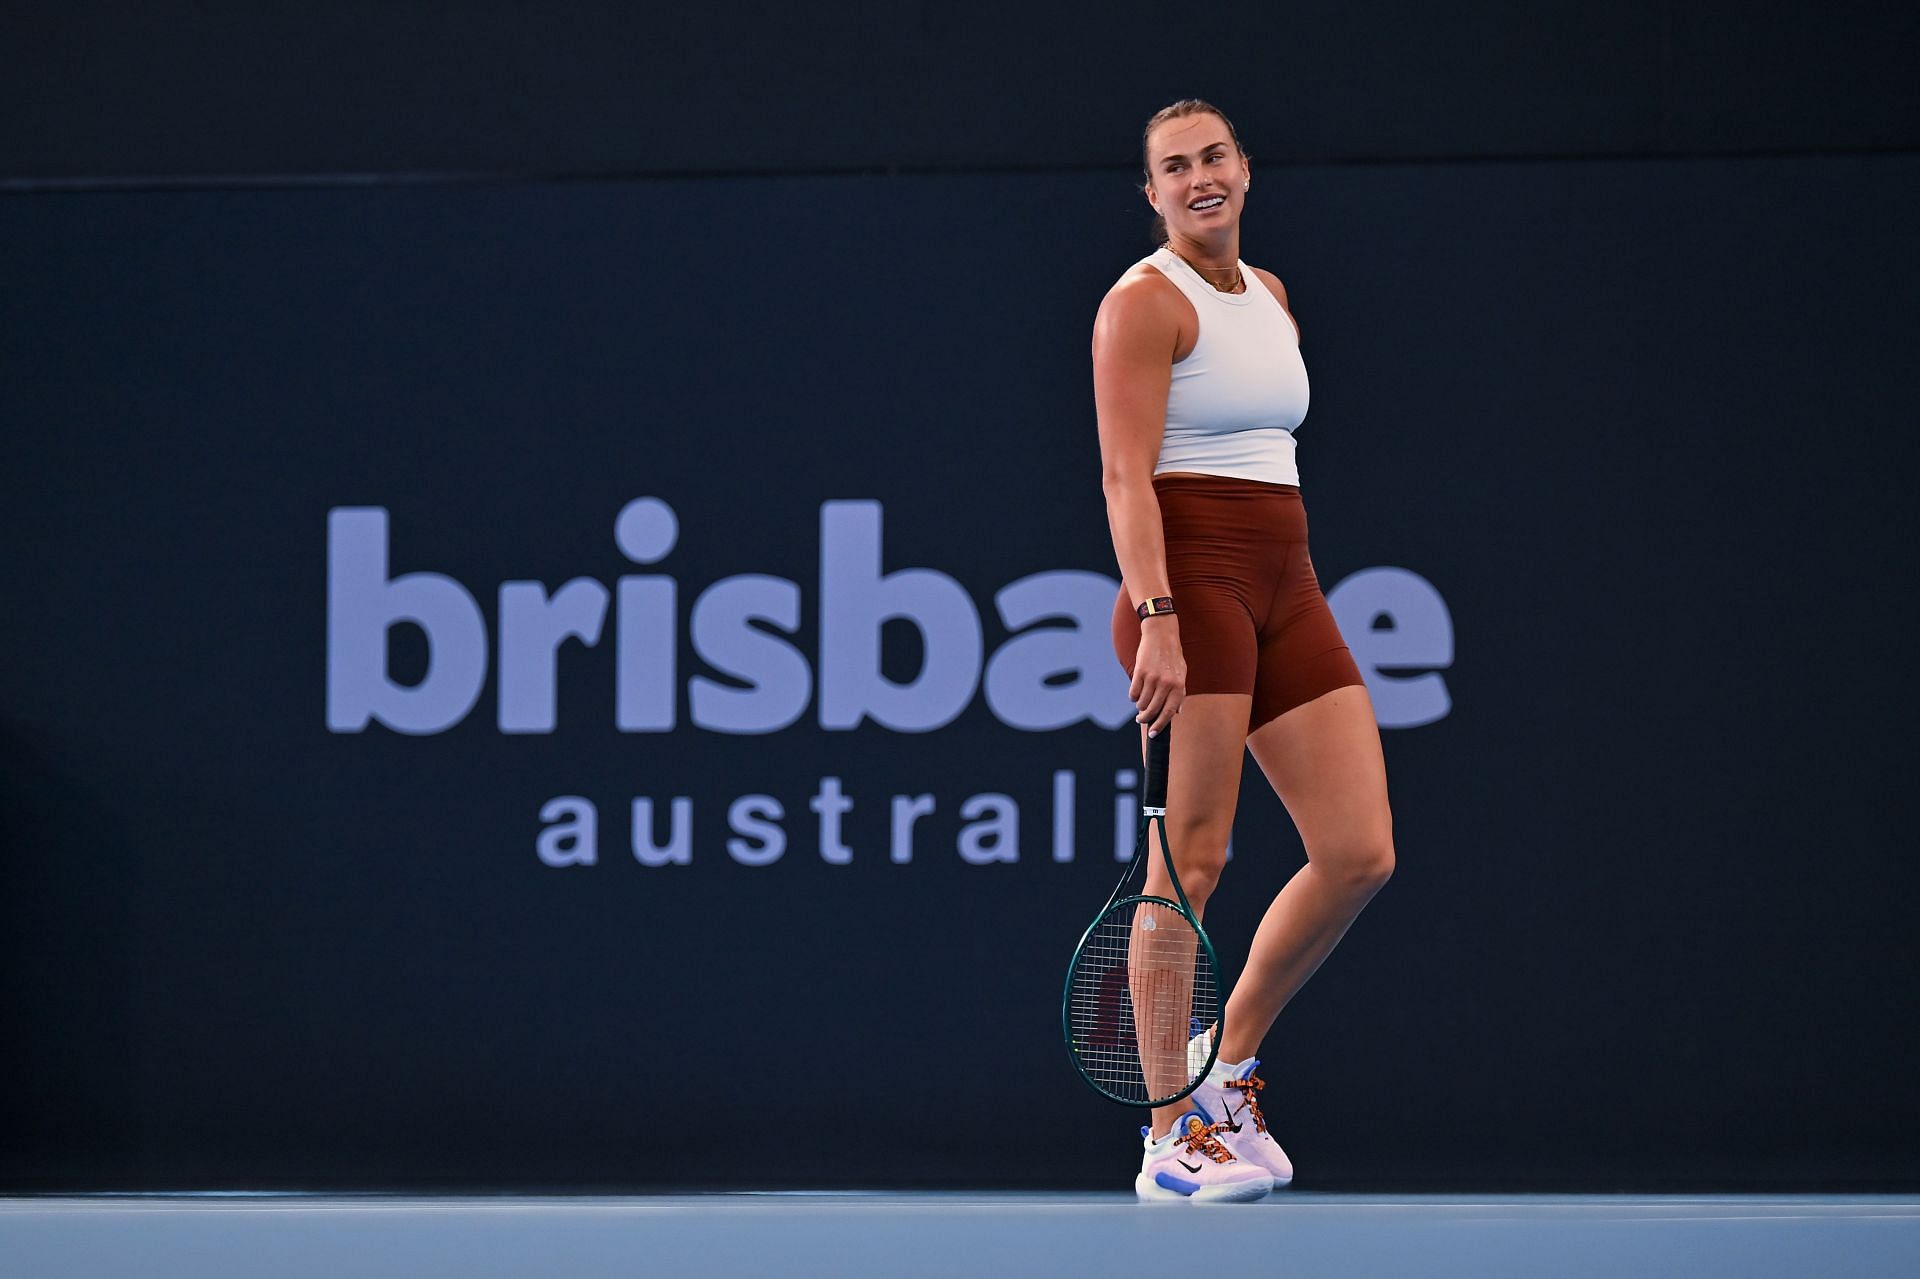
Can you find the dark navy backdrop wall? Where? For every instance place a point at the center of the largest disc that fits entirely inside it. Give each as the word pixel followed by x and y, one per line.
pixel 1639 426
pixel 108 91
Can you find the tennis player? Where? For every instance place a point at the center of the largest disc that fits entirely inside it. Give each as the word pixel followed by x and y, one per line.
pixel 1199 387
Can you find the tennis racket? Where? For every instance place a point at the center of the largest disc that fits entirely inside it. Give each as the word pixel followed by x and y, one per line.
pixel 1141 1009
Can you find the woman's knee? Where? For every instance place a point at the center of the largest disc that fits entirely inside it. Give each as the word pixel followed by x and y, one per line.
pixel 1199 852
pixel 1361 863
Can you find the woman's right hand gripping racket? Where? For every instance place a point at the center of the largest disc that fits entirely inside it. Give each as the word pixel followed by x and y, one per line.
pixel 1141 1010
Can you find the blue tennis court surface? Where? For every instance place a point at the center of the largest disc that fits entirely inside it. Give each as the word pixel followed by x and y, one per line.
pixel 1296 1235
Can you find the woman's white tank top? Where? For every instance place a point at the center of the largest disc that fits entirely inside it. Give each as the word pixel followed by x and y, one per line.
pixel 1238 396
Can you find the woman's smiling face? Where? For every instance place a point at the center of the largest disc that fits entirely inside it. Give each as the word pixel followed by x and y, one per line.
pixel 1199 178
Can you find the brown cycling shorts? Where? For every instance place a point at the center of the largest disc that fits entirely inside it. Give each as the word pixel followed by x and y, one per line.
pixel 1252 618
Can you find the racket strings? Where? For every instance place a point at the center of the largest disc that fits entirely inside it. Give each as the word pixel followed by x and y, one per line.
pixel 1141 1003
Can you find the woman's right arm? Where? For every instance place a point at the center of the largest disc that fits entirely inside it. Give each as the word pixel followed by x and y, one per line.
pixel 1134 336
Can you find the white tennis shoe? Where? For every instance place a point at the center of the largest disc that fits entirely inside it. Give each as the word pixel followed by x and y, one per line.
pixel 1229 1097
pixel 1190 1163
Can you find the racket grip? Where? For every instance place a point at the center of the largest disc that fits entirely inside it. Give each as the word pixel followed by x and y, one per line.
pixel 1155 796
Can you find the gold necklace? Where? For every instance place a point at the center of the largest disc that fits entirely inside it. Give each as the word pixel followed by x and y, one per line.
pixel 1233 287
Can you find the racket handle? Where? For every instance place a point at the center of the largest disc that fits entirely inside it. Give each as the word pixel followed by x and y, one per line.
pixel 1155 796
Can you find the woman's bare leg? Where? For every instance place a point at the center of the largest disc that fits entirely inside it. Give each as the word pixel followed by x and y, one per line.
pixel 1203 789
pixel 1324 762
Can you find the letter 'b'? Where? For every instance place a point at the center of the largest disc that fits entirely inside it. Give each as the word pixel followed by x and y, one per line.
pixel 856 600
pixel 363 605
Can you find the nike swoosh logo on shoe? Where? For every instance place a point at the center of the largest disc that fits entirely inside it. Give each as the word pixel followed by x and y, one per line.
pixel 1189 1167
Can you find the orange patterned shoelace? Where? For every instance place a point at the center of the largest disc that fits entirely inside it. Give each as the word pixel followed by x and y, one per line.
pixel 1200 1140
pixel 1248 1087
